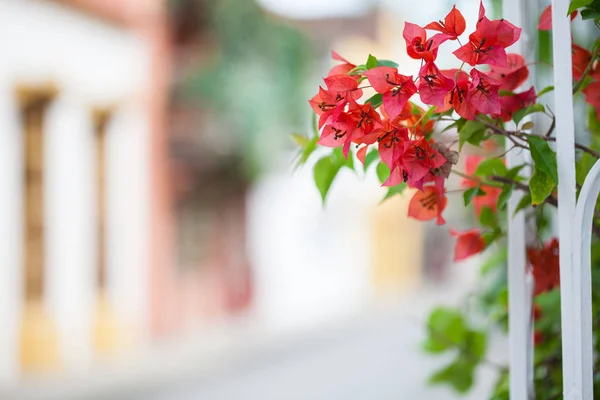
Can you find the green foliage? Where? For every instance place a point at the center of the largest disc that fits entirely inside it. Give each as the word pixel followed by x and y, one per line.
pixel 543 156
pixel 534 108
pixel 371 62
pixel 541 186
pixel 470 194
pixel 523 203
pixel 472 132
pixel 545 90
pixel 327 168
pixel 449 332
pixel 492 166
pixel 376 100
pixel 576 4
pixel 255 57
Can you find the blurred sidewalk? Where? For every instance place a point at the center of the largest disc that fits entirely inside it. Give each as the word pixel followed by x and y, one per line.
pixel 373 355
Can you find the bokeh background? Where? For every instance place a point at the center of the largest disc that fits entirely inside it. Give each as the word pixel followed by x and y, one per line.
pixel 156 241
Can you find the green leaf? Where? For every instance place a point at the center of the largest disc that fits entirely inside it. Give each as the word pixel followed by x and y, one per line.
pixel 492 166
pixel 383 172
pixel 371 62
pixel 545 90
pixel 513 173
pixel 476 345
pixel 470 194
pixel 375 100
pixel 447 326
pixel 300 140
pixel 519 115
pixel 541 186
pixel 527 126
pixel 430 345
pixel 387 63
pixel 487 218
pixel 315 126
pixel 458 124
pixel 490 237
pixel 523 203
pixel 505 194
pixel 472 132
pixel 543 156
pixel 339 160
pixel 307 150
pixel 371 156
pixel 358 69
pixel 593 123
pixel 589 14
pixel 324 173
pixel 575 4
pixel 459 375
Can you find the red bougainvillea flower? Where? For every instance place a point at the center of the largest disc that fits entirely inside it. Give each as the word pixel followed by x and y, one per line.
pixel 511 76
pixel 486 45
pixel 419 158
pixel 391 142
pixel 324 101
pixel 433 85
pixel 396 89
pixel 417 44
pixel 336 133
pixel 592 95
pixel 361 153
pixel 511 104
pixel 546 19
pixel 330 103
pixel 483 94
pixel 468 243
pixel 490 198
pixel 545 264
pixel 343 87
pixel 363 120
pixel 453 25
pixel 581 59
pixel 458 97
pixel 343 68
pixel 427 205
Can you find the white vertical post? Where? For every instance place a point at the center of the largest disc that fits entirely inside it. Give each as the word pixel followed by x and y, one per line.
pixel 582 243
pixel 519 315
pixel 565 141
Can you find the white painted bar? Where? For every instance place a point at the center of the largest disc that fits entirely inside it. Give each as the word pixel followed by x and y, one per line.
pixel 565 141
pixel 582 242
pixel 519 317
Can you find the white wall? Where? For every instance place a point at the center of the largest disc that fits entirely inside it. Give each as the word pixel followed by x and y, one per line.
pixel 311 263
pixel 93 64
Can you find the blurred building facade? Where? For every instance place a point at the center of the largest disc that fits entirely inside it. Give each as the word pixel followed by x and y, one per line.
pixel 109 238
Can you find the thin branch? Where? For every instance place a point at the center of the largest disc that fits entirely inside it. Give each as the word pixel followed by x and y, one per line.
pixel 551 129
pixel 579 146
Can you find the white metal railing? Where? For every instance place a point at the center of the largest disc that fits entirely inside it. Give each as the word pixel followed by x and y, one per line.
pixel 519 291
pixel 575 220
pixel 574 276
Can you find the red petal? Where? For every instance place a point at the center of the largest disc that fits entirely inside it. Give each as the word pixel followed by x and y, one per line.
pixel 546 19
pixel 427 204
pixel 468 243
pixel 362 153
pixel 380 78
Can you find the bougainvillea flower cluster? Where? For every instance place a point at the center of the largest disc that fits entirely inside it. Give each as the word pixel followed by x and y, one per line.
pixel 401 130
